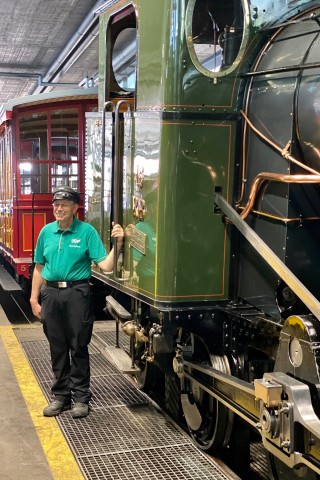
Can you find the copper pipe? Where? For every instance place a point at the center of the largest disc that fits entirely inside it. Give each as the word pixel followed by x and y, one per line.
pixel 257 63
pixel 284 151
pixel 259 213
pixel 275 177
pixel 244 156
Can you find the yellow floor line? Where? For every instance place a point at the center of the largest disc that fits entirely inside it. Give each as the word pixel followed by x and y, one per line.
pixel 59 456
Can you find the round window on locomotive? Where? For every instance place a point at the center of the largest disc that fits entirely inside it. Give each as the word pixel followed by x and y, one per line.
pixel 216 32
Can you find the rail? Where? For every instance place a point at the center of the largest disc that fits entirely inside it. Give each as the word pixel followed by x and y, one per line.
pixel 103 154
pixel 116 180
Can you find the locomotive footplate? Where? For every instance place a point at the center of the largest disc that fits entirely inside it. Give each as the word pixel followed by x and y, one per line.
pixel 281 407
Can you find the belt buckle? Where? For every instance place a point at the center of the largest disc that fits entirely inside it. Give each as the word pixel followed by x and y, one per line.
pixel 62 284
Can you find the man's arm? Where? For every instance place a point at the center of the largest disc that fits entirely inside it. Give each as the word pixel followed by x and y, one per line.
pixel 37 281
pixel 107 264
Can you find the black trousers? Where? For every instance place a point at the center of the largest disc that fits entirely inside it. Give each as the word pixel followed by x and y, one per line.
pixel 67 317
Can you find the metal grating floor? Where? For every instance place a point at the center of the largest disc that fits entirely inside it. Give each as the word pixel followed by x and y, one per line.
pixel 162 463
pixel 108 337
pixel 125 436
pixel 259 463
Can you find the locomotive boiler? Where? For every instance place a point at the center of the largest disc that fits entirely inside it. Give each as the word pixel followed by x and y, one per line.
pixel 207 150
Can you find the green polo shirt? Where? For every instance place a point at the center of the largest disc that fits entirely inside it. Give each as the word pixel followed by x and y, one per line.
pixel 67 254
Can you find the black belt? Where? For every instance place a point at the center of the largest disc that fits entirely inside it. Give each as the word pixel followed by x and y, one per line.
pixel 64 284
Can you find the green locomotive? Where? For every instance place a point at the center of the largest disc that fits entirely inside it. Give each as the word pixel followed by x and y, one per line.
pixel 206 149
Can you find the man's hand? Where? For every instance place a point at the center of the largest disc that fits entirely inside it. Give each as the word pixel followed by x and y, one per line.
pixel 117 232
pixel 107 264
pixel 36 308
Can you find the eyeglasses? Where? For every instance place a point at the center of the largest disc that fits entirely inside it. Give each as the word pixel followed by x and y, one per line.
pixel 63 205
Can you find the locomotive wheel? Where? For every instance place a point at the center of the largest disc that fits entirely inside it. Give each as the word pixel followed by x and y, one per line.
pixel 209 421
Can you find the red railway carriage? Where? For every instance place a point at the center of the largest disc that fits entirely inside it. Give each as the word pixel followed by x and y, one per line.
pixel 42 146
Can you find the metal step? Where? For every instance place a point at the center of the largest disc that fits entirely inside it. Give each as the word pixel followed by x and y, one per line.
pixel 117 310
pixel 118 355
pixel 121 360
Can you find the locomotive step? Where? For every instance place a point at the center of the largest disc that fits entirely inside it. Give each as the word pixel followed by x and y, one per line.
pixel 105 342
pixel 117 310
pixel 121 359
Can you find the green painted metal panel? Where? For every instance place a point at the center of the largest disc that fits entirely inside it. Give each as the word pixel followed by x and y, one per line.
pixel 181 235
pixel 191 257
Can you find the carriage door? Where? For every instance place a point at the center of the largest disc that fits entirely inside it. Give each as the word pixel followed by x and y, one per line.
pixel 110 132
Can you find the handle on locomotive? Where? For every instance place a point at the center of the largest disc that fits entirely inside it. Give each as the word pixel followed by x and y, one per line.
pixel 111 105
pixel 116 180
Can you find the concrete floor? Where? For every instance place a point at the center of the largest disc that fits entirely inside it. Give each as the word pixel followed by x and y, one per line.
pixel 22 456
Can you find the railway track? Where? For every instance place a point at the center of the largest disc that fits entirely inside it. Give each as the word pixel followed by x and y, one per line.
pixel 16 307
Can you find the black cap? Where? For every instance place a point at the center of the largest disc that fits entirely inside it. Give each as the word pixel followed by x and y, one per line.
pixel 66 193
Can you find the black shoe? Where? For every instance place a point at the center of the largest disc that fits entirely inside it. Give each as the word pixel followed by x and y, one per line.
pixel 80 410
pixel 55 408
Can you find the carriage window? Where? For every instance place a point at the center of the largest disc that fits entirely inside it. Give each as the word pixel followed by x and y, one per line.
pixel 215 35
pixel 5 166
pixel 64 148
pixel 33 136
pixel 124 59
pixel 64 134
pixel 33 130
pixel 49 150
pixel 65 174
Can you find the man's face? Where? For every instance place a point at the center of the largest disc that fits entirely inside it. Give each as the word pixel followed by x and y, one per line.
pixel 64 210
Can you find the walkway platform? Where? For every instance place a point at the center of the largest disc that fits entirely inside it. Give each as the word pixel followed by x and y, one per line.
pixel 124 437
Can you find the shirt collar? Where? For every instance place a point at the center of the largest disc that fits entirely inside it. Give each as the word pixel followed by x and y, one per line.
pixel 72 229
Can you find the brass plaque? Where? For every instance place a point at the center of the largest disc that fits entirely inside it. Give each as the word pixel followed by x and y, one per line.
pixel 138 239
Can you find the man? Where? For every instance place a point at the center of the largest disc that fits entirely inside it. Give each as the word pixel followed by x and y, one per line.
pixel 64 253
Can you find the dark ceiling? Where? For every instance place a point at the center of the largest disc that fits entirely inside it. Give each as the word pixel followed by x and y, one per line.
pixel 46 42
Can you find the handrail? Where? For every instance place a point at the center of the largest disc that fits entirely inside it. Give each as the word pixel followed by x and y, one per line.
pixel 32 228
pixel 103 148
pixel 116 180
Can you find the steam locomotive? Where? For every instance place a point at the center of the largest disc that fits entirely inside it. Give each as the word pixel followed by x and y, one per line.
pixel 206 148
